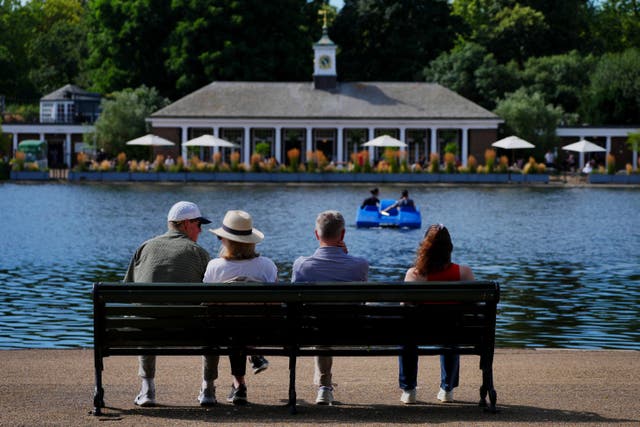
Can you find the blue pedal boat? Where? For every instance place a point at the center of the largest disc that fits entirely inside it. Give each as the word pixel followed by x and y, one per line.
pixel 404 217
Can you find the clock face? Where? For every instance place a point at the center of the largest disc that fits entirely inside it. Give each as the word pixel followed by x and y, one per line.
pixel 324 62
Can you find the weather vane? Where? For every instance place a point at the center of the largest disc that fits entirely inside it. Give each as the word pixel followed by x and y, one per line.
pixel 323 12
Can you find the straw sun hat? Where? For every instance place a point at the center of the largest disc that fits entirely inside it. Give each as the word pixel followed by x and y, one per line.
pixel 238 226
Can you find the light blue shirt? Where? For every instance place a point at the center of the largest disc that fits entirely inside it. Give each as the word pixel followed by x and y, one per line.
pixel 330 264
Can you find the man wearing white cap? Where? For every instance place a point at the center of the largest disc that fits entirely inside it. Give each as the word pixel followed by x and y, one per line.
pixel 329 263
pixel 173 257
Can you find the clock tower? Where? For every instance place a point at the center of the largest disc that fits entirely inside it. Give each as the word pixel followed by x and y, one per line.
pixel 325 75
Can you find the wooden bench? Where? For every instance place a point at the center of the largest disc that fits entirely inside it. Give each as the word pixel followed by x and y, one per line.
pixel 339 319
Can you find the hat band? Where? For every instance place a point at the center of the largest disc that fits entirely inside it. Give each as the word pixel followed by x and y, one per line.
pixel 237 232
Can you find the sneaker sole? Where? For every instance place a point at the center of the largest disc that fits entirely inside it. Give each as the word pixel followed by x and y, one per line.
pixel 260 369
pixel 146 404
pixel 238 401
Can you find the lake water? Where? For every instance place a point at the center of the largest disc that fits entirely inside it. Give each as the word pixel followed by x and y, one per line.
pixel 567 258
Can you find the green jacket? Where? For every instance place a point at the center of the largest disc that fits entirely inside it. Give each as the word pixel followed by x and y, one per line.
pixel 168 258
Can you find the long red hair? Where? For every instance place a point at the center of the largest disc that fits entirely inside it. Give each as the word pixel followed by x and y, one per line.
pixel 434 253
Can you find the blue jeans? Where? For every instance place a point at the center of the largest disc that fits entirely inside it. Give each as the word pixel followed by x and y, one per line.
pixel 408 369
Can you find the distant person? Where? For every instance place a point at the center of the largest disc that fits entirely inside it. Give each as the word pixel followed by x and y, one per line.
pixel 549 159
pixel 588 167
pixel 329 263
pixel 168 162
pixel 433 263
pixel 403 201
pixel 173 257
pixel 372 200
pixel 239 262
pixel 571 162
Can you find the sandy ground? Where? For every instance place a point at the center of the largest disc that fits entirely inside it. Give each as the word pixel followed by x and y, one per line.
pixel 535 387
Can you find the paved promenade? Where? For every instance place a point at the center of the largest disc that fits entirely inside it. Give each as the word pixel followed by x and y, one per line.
pixel 535 387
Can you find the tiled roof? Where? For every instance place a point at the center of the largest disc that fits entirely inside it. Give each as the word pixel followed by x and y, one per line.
pixel 68 92
pixel 367 100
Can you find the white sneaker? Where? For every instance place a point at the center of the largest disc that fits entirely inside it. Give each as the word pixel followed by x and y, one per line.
pixel 147 395
pixel 207 396
pixel 408 397
pixel 325 396
pixel 445 396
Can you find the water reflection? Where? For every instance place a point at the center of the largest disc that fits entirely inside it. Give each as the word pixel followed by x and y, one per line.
pixel 566 258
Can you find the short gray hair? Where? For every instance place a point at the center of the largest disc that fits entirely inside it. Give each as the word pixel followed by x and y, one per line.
pixel 329 224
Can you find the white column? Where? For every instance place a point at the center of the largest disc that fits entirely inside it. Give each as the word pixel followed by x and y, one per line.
pixel 465 146
pixel 309 144
pixel 403 139
pixel 247 145
pixel 278 146
pixel 184 131
pixel 434 142
pixel 42 137
pixel 606 157
pixel 67 150
pixel 15 143
pixel 215 132
pixel 371 132
pixel 340 158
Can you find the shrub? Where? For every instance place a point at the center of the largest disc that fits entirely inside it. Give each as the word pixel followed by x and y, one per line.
pixel 158 164
pixel 629 168
pixel 17 163
pixel 434 163
pixel 472 164
pixel 449 162
pixel 121 162
pixel 611 164
pixel 234 158
pixel 490 160
pixel 256 158
pixel 294 159
pixel 82 159
pixel 503 166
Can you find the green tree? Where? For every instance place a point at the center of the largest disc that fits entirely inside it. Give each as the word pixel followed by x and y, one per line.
pixel 127 42
pixel 383 40
pixel 471 71
pixel 516 34
pixel 57 44
pixel 613 96
pixel 123 118
pixel 14 65
pixel 530 117
pixel 561 79
pixel 616 25
pixel 552 27
pixel 248 40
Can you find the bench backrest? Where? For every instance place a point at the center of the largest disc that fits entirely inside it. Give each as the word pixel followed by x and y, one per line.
pixel 201 318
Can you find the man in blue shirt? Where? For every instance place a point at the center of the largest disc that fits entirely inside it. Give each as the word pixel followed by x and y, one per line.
pixel 329 263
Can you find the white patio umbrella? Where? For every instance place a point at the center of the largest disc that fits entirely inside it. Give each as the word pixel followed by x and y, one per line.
pixel 210 141
pixel 151 140
pixel 584 146
pixel 384 141
pixel 512 143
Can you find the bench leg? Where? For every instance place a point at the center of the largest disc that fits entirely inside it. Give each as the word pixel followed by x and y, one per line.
pixel 486 364
pixel 98 395
pixel 292 384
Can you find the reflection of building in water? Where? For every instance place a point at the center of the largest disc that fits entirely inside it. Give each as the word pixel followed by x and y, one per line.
pixel 330 116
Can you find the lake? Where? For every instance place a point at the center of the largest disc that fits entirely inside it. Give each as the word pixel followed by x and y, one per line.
pixel 567 259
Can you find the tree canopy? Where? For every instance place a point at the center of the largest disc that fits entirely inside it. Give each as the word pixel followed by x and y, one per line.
pixel 572 53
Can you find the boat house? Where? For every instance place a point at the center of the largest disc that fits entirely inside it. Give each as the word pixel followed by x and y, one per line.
pixel 329 115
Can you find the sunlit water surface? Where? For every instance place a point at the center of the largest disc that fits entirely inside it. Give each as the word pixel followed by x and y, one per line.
pixel 567 259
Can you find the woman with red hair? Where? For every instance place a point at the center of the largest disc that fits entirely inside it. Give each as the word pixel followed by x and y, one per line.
pixel 433 263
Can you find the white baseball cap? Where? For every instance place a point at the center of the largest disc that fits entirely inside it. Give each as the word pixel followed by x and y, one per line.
pixel 182 211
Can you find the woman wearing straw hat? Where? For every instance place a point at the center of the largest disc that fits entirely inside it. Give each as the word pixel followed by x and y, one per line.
pixel 238 261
